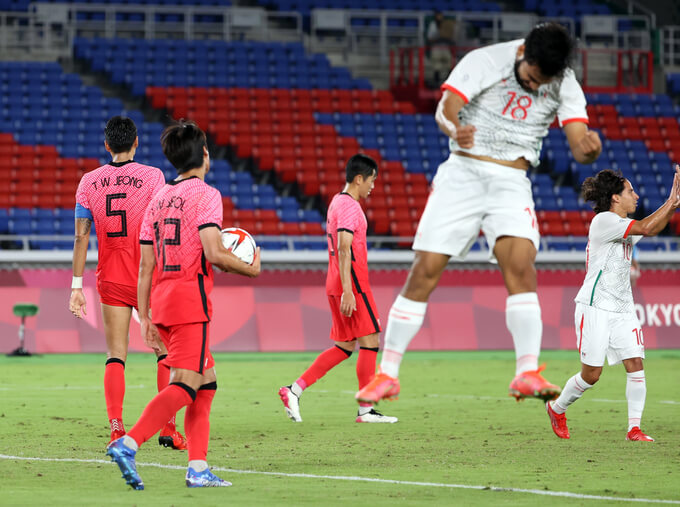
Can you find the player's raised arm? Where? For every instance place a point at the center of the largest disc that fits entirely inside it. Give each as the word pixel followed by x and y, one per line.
pixel 585 144
pixel 654 223
pixel 216 254
pixel 446 117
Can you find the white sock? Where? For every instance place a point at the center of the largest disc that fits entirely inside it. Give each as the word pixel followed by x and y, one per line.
pixel 405 319
pixel 573 390
pixel 636 392
pixel 523 319
pixel 198 465
pixel 297 390
pixel 130 442
pixel 365 410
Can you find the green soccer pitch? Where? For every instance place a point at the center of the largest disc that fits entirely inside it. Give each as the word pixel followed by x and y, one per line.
pixel 460 439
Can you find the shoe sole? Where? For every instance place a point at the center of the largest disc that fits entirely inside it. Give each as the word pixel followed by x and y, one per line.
pixel 545 394
pixel 388 396
pixel 284 398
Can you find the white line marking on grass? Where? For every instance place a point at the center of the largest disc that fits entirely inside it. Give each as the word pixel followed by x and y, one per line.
pixel 564 494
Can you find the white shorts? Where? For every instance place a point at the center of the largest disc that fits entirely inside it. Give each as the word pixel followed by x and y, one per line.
pixel 600 333
pixel 469 195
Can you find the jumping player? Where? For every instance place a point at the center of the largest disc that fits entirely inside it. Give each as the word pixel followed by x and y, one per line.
pixel 115 196
pixel 605 318
pixel 353 311
pixel 496 107
pixel 180 241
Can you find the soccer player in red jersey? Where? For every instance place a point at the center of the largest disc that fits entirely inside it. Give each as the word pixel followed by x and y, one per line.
pixel 180 241
pixel 115 196
pixel 354 314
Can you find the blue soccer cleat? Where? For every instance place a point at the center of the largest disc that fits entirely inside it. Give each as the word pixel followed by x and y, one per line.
pixel 125 459
pixel 204 479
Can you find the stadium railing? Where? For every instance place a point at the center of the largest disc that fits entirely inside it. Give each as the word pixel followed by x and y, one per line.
pixel 669 46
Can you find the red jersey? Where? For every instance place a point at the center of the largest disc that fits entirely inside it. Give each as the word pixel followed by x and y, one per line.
pixel 345 214
pixel 116 194
pixel 183 279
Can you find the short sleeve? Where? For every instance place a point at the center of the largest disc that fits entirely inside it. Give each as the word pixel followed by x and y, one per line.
pixel 81 194
pixel 209 211
pixel 572 106
pixel 607 227
pixel 475 72
pixel 146 230
pixel 349 216
pixel 159 183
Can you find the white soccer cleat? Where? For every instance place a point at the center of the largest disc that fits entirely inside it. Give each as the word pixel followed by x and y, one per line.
pixel 375 417
pixel 291 403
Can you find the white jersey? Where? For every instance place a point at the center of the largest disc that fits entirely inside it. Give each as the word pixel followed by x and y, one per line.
pixel 608 257
pixel 511 122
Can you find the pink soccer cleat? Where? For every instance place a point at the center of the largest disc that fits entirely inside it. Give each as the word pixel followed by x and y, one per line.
pixel 381 387
pixel 558 422
pixel 635 433
pixel 531 384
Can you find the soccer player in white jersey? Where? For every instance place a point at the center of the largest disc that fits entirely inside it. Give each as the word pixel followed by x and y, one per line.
pixel 496 107
pixel 605 319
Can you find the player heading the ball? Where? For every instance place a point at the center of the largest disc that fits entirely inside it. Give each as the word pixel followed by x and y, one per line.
pixel 180 241
pixel 496 107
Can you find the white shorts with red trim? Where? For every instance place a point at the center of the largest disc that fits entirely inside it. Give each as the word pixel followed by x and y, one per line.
pixel 600 334
pixel 470 195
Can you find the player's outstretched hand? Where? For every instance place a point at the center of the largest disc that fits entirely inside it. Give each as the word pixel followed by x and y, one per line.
pixel 465 136
pixel 150 334
pixel 77 303
pixel 348 304
pixel 674 196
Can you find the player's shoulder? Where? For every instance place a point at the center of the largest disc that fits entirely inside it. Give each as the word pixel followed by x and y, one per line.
pixel 500 54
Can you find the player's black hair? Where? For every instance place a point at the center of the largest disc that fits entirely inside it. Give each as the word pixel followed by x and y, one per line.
pixel 183 143
pixel 360 164
pixel 550 47
pixel 600 188
pixel 120 134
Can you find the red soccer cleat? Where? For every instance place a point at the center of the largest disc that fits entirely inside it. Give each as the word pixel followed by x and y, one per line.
pixel 558 422
pixel 170 437
pixel 531 384
pixel 381 387
pixel 117 429
pixel 635 433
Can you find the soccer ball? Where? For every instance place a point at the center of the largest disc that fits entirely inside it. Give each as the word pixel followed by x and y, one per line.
pixel 239 242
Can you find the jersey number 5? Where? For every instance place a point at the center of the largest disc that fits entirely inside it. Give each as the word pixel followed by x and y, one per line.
pixel 160 245
pixel 117 212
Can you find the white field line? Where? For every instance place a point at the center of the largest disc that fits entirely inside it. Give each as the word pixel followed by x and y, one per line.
pixel 563 494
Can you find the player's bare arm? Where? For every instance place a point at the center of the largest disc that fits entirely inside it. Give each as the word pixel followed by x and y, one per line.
pixel 585 144
pixel 147 264
pixel 446 117
pixel 654 223
pixel 348 302
pixel 77 303
pixel 216 254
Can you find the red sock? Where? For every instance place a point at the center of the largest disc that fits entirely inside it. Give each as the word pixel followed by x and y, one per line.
pixel 162 380
pixel 114 387
pixel 325 361
pixel 366 365
pixel 160 409
pixel 163 373
pixel 197 422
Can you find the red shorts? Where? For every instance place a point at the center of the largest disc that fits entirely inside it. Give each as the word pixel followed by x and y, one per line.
pixel 114 294
pixel 188 346
pixel 364 320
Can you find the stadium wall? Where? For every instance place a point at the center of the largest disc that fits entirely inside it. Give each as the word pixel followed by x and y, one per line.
pixel 287 311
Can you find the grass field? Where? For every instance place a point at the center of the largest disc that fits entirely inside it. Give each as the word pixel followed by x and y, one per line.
pixel 460 439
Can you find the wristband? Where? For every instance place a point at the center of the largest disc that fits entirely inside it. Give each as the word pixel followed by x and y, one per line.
pixel 77 282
